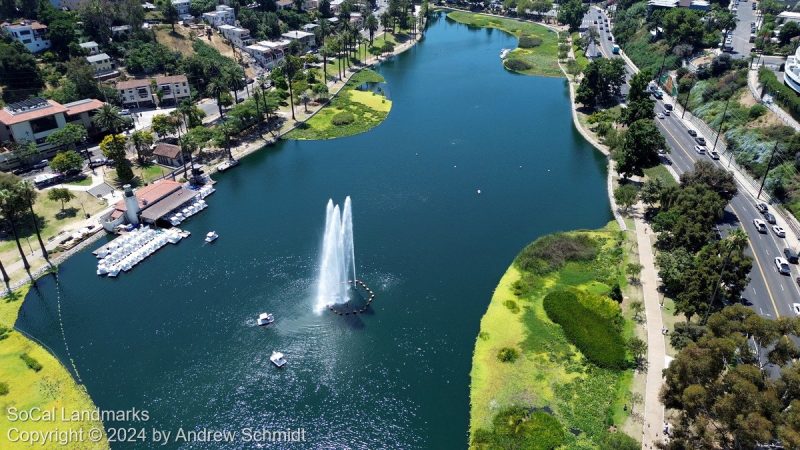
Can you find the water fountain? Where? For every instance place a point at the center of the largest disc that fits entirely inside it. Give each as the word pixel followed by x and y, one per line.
pixel 337 268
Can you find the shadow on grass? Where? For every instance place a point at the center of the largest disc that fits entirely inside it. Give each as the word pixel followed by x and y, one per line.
pixel 67 213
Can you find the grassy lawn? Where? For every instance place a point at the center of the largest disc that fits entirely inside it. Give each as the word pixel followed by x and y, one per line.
pixel 542 60
pixel 84 182
pixel 550 371
pixel 378 41
pixel 50 387
pixel 580 56
pixel 368 110
pixel 660 171
pixel 149 172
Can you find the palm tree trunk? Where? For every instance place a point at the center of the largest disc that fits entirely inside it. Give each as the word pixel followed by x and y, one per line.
pixel 219 105
pixel 291 98
pixel 38 233
pixel 19 246
pixel 5 276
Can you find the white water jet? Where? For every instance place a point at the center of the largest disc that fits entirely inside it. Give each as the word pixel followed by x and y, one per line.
pixel 337 262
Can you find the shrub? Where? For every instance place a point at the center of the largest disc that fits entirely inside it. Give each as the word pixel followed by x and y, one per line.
pixel 529 41
pixel 517 427
pixel 757 111
pixel 620 441
pixel 508 354
pixel 4 332
pixel 3 388
pixel 596 337
pixel 31 362
pixel 616 293
pixel 512 306
pixel 516 65
pixel 343 118
pixel 783 95
pixel 551 252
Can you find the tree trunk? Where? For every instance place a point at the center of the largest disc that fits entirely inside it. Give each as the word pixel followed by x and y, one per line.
pixel 291 98
pixel 19 246
pixel 5 276
pixel 38 233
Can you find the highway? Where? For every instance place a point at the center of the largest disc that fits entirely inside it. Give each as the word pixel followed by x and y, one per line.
pixel 769 293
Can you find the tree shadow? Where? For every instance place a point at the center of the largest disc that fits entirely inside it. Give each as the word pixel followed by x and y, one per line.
pixel 67 213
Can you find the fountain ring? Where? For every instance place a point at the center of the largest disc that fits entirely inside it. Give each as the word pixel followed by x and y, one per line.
pixel 356 284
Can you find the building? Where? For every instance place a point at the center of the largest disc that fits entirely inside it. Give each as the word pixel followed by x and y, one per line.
pixel 307 39
pixel 31 34
pixel 308 5
pixel 139 93
pixel 240 37
pixel 101 63
pixel 336 6
pixel 788 16
pixel 90 47
pixel 34 119
pixel 268 54
pixel 284 4
pixel 149 204
pixel 700 5
pixel 310 27
pixel 223 15
pixel 121 30
pixel 791 74
pixel 168 155
pixel 182 6
pixel 357 19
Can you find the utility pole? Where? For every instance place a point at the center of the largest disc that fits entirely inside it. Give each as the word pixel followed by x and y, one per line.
pixel 686 102
pixel 722 121
pixel 663 61
pixel 769 164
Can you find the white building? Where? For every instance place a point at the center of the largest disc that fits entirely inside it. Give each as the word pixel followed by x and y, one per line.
pixel 182 6
pixel 90 47
pixel 336 6
pixel 305 38
pixel 700 5
pixel 788 16
pixel 138 93
pixel 32 34
pixel 223 15
pixel 284 4
pixel 791 75
pixel 240 37
pixel 101 63
pixel 268 54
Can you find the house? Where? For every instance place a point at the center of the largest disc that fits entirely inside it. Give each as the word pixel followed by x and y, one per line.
pixel 791 75
pixel 135 93
pixel 357 19
pixel 788 16
pixel 149 204
pixel 34 119
pixel 700 5
pixel 310 27
pixel 182 6
pixel 101 63
pixel 223 15
pixel 336 6
pixel 173 89
pixel 90 47
pixel 307 39
pixel 120 30
pixel 284 4
pixel 310 4
pixel 240 37
pixel 168 155
pixel 138 93
pixel 31 34
pixel 265 54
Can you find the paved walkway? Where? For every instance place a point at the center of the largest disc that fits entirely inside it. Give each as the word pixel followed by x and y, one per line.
pixel 755 89
pixel 656 345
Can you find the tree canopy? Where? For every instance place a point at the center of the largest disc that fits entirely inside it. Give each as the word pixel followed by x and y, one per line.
pixel 639 149
pixel 602 82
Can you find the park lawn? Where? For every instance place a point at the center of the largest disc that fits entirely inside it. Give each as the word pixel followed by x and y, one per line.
pixel 51 387
pixel 369 110
pixel 377 41
pixel 150 172
pixel 580 54
pixel 661 172
pixel 543 60
pixel 82 182
pixel 550 372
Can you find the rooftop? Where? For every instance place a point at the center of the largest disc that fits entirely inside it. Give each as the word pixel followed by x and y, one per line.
pixel 90 44
pixel 133 84
pixel 149 195
pixel 296 34
pixel 30 109
pixel 170 79
pixel 167 150
pixel 27 23
pixel 87 104
pixel 98 57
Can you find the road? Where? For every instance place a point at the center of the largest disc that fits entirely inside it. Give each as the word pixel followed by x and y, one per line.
pixel 741 34
pixel 769 293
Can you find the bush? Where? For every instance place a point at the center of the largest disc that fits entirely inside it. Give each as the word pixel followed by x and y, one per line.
pixel 343 118
pixel 616 293
pixel 783 95
pixel 516 65
pixel 3 388
pixel 529 41
pixel 31 362
pixel 757 111
pixel 516 427
pixel 4 332
pixel 551 252
pixel 598 338
pixel 508 354
pixel 512 306
pixel 620 441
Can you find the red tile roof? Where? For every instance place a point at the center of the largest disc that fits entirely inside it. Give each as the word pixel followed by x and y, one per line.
pixel 171 79
pixel 167 150
pixel 6 118
pixel 132 84
pixel 148 195
pixel 83 106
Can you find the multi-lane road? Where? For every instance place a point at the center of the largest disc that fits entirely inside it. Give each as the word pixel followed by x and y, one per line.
pixel 769 293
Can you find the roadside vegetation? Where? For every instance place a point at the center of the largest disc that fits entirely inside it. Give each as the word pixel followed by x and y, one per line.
pixel 563 387
pixel 537 51
pixel 31 377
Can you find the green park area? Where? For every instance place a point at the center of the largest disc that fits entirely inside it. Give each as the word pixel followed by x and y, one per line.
pixel 31 377
pixel 537 51
pixel 355 110
pixel 552 366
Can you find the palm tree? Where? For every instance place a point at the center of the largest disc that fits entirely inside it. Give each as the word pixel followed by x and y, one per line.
pixel 108 117
pixel 141 139
pixel 28 193
pixel 334 48
pixel 386 20
pixel 304 99
pixel 192 115
pixel 217 87
pixel 324 29
pixel 371 24
pixel 9 203
pixel 290 68
pixel 6 279
pixel 227 129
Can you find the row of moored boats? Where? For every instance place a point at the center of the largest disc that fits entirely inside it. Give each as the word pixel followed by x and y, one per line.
pixel 128 250
pixel 187 212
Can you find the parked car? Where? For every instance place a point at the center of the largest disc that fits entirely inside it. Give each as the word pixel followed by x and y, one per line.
pixel 790 254
pixel 700 140
pixel 41 164
pixel 701 149
pixel 779 231
pixel 658 95
pixel 668 106
pixel 713 154
pixel 660 115
pixel 782 265
pixel 762 207
pixel 124 112
pixel 610 38
pixel 761 227
pixel 770 218
pixel 796 306
pixel 97 162
pixel 666 112
pixel 662 152
pixel 692 132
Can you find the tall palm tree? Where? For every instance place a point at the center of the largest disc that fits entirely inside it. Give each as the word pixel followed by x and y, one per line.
pixel 6 278
pixel 192 115
pixel 28 193
pixel 304 99
pixel 290 67
pixel 324 29
pixel 371 24
pixel 9 204
pixel 227 129
pixel 141 139
pixel 217 87
pixel 109 118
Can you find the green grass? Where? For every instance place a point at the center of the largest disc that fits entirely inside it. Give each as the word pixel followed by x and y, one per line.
pixel 542 60
pixel 580 55
pixel 51 386
pixel 661 172
pixel 150 172
pixel 82 182
pixel 550 371
pixel 369 109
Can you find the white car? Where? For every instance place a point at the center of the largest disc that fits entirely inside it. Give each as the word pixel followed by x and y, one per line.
pixel 760 225
pixel 782 265
pixel 779 230
pixel 713 154
pixel 660 116
pixel 700 149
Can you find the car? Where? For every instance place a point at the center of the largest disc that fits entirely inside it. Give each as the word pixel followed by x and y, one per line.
pixel 761 227
pixel 97 162
pixel 610 38
pixel 782 265
pixel 796 306
pixel 700 140
pixel 41 164
pixel 660 115
pixel 658 95
pixel 692 132
pixel 779 231
pixel 770 218
pixel 124 112
pixel 762 207
pixel 667 112
pixel 72 172
pixel 701 149
pixel 668 106
pixel 595 22
pixel 662 152
pixel 713 154
pixel 791 255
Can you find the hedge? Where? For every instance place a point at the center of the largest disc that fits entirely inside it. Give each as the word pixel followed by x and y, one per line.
pixel 551 252
pixel 598 338
pixel 31 362
pixel 529 41
pixel 783 95
pixel 517 65
pixel 3 388
pixel 517 427
pixel 343 118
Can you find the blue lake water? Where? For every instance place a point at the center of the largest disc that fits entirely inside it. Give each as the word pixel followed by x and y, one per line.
pixel 176 336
